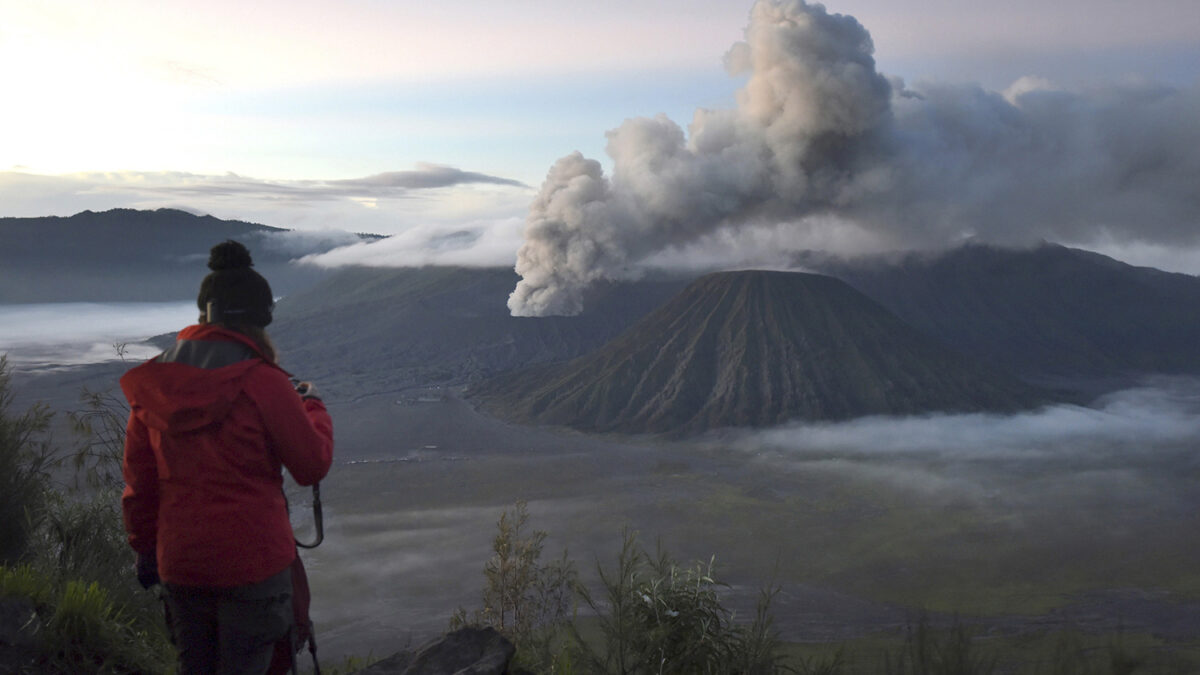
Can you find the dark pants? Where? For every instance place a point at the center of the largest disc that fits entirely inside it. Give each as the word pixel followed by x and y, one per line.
pixel 230 631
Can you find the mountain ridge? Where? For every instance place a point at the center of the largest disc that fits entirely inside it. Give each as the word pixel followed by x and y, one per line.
pixel 130 255
pixel 1048 312
pixel 392 328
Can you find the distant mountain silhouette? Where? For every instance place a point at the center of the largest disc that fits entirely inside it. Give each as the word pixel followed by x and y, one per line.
pixel 1047 313
pixel 751 349
pixel 378 329
pixel 127 255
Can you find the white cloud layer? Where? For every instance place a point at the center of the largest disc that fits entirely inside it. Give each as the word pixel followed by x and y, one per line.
pixel 383 203
pixel 70 333
pixel 1161 413
pixel 474 244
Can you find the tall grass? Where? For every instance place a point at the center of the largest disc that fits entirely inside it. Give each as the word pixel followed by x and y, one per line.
pixel 80 629
pixel 652 615
pixel 26 457
pixel 62 546
pixel 524 598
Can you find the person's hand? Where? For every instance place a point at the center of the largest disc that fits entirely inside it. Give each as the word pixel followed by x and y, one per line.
pixel 307 390
pixel 147 570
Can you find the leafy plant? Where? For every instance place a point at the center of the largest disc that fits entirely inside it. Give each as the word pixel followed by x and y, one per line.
pixel 25 460
pixel 94 617
pixel 79 628
pixel 101 426
pixel 524 599
pixel 656 616
pixel 24 582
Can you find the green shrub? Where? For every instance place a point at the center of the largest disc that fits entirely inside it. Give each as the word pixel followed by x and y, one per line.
pixel 25 583
pixel 81 537
pixel 83 623
pixel 77 569
pixel 80 628
pixel 25 459
pixel 656 616
pixel 525 600
pixel 100 425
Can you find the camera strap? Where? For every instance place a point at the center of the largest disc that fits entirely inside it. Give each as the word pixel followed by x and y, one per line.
pixel 318 519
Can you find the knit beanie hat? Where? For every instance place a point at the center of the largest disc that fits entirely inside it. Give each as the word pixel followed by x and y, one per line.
pixel 238 294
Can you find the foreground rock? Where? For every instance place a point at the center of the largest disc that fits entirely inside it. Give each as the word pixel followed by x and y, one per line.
pixel 18 636
pixel 467 651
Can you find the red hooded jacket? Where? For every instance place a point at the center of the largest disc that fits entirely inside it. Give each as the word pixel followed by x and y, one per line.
pixel 211 422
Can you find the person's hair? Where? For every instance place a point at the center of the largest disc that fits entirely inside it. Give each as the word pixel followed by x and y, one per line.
pixel 256 333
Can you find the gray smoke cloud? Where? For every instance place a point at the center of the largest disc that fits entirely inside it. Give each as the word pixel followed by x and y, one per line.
pixel 820 139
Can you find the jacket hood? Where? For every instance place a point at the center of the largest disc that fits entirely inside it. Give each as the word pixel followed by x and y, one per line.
pixel 193 384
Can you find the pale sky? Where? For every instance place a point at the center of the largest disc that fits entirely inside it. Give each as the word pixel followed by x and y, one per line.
pixel 276 111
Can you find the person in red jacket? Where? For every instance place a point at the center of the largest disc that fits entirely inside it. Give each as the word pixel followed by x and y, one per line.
pixel 212 421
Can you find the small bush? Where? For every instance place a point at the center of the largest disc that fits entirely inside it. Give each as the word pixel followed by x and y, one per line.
pixel 25 459
pixel 80 629
pixel 100 425
pixel 75 566
pixel 524 599
pixel 656 616
pixel 24 582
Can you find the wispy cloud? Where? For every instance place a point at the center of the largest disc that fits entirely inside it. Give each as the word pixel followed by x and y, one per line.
pixel 1164 411
pixel 389 185
pixel 475 244
pixel 428 194
pixel 1127 457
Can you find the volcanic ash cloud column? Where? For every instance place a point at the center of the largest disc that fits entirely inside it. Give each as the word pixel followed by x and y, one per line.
pixel 809 109
pixel 568 239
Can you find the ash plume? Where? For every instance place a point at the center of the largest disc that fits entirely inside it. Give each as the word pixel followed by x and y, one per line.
pixel 820 140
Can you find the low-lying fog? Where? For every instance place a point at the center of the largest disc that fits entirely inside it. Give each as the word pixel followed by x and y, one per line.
pixel 1082 512
pixel 74 333
pixel 1064 516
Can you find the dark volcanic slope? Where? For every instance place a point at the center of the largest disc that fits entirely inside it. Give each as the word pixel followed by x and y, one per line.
pixel 749 349
pixel 1046 312
pixel 372 329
